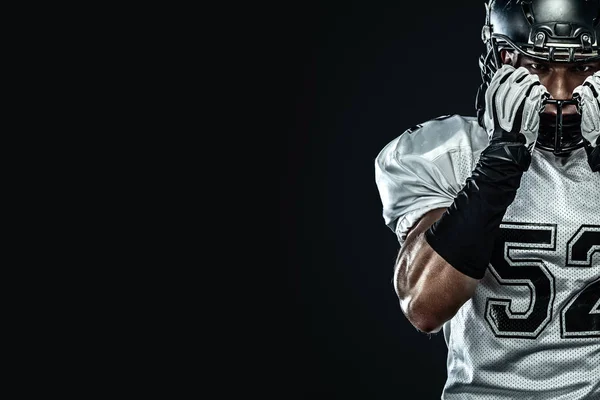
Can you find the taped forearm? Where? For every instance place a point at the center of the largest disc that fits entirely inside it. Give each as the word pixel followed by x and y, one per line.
pixel 464 236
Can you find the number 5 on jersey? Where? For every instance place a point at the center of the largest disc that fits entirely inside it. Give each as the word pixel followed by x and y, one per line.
pixel 579 317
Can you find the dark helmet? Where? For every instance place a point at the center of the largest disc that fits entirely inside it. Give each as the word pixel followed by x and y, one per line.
pixel 547 30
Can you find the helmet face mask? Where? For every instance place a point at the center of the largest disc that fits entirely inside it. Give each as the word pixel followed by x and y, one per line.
pixel 561 31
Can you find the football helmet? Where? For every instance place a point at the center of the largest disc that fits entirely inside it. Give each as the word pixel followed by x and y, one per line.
pixel 547 30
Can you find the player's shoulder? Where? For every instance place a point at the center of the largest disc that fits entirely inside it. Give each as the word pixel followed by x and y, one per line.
pixel 438 136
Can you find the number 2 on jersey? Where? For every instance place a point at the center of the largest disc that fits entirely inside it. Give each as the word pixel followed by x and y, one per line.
pixel 580 317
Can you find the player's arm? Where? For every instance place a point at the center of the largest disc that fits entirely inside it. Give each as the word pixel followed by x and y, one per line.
pixel 448 251
pixel 430 290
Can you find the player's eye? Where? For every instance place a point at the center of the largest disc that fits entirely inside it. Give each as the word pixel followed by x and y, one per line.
pixel 536 67
pixel 583 68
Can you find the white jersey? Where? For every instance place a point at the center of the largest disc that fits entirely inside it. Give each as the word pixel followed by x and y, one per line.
pixel 532 328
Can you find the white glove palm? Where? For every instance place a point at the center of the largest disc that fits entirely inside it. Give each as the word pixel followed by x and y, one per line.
pixel 514 101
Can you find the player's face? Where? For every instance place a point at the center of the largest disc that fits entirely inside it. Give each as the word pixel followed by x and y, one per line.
pixel 559 78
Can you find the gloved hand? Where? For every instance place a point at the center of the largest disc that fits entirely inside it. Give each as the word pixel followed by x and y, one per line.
pixel 588 99
pixel 513 103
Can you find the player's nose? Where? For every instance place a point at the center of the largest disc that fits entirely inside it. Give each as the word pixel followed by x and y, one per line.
pixel 560 85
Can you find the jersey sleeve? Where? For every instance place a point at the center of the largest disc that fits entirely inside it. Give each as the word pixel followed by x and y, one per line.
pixel 425 167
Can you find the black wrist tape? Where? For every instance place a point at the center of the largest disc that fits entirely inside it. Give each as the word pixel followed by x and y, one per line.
pixel 464 236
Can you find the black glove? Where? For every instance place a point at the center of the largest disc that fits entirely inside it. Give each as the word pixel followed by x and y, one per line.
pixel 594 156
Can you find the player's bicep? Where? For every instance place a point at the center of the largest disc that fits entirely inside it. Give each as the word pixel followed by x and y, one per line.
pixel 428 219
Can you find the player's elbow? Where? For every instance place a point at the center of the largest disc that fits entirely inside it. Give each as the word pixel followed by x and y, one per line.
pixel 419 305
pixel 420 316
pixel 429 329
pixel 418 310
pixel 429 326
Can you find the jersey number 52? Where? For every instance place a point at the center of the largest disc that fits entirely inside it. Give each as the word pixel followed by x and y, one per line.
pixel 580 315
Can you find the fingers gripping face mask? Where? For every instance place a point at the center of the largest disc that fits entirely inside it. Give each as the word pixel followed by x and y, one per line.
pixel 514 100
pixel 588 98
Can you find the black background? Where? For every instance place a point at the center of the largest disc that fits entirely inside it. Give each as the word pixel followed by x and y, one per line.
pixel 357 74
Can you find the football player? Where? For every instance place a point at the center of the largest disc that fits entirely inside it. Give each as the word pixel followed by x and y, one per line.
pixel 498 214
